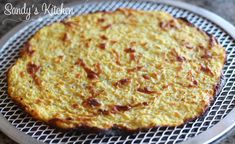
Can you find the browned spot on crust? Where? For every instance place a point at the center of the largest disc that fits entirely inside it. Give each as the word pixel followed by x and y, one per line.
pixel 166 86
pixel 75 106
pixel 145 103
pixel 92 102
pixel 201 47
pixel 112 42
pixel 188 45
pixel 140 104
pixel 90 73
pixel 102 46
pixel 207 70
pixel 65 37
pixel 132 56
pixel 179 68
pixel 78 75
pixel 101 20
pixel 166 25
pixel 180 58
pixel 129 50
pixel 59 59
pixel 154 75
pixel 22 74
pixel 38 101
pixel 105 12
pixel 103 37
pixel 68 23
pixel 37 81
pixel 117 57
pixel 69 118
pixel 159 66
pixel 98 68
pixel 207 55
pixel 122 82
pixel 145 76
pixel 190 75
pixel 133 43
pixel 135 69
pixel 213 42
pixel 186 21
pixel 91 90
pixel 121 108
pixel 104 112
pixel 195 82
pixel 27 50
pixel 87 42
pixel 146 90
pixel 106 27
pixel 32 69
pixel 58 122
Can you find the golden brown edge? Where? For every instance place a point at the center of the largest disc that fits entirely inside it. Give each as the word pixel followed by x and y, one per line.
pixel 115 129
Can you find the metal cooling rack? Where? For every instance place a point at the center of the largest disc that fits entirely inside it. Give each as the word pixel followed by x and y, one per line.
pixel 217 121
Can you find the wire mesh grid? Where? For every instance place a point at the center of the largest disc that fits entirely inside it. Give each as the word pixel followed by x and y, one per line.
pixel 223 104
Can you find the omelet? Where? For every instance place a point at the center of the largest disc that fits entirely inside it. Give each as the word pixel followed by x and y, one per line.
pixel 126 70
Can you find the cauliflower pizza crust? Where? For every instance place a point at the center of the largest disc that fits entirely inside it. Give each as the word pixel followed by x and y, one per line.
pixel 126 70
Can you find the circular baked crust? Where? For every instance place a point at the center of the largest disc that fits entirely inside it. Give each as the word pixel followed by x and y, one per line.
pixel 126 70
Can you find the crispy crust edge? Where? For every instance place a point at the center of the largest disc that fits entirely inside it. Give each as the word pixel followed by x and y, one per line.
pixel 115 129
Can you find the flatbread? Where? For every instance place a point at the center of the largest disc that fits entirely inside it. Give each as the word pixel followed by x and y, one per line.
pixel 125 70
